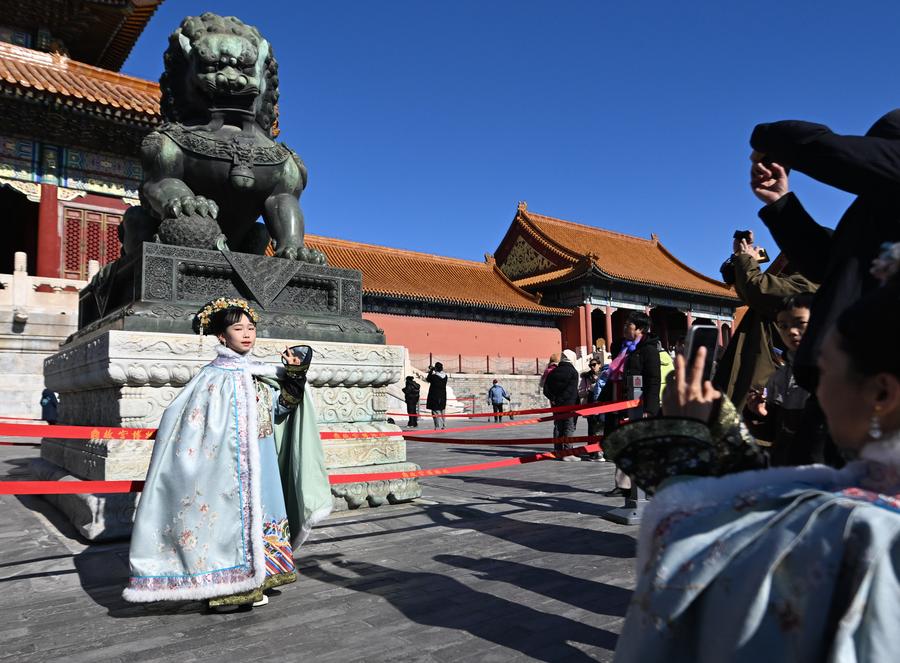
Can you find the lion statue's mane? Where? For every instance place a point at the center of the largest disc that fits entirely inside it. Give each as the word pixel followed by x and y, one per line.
pixel 176 106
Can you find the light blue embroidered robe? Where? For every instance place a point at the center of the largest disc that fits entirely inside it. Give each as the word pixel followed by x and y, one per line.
pixel 199 526
pixel 789 565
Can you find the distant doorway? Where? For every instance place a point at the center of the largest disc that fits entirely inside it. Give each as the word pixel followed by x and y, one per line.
pixel 669 324
pixel 19 218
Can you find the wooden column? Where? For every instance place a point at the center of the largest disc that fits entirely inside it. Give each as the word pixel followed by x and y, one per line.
pixel 719 327
pixel 587 329
pixel 49 251
pixel 690 319
pixel 609 335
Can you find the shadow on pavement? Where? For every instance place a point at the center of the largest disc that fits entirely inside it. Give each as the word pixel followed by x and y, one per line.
pixel 433 599
pixel 583 593
pixel 543 537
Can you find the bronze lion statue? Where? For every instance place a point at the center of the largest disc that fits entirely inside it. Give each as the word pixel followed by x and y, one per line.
pixel 212 168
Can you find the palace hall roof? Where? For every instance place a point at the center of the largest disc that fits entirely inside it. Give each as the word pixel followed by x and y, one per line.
pixel 430 278
pixel 541 250
pixel 98 32
pixel 55 80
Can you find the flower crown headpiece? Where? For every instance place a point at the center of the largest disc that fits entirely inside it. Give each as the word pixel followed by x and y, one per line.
pixel 204 315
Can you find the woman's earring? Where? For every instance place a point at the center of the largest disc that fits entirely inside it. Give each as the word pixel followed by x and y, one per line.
pixel 875 427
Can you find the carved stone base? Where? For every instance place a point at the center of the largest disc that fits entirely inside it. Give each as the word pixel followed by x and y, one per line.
pixel 117 378
pixel 376 493
pixel 159 288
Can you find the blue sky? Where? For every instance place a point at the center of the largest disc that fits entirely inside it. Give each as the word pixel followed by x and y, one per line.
pixel 424 123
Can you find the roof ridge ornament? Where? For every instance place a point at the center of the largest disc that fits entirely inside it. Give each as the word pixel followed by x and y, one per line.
pixel 522 206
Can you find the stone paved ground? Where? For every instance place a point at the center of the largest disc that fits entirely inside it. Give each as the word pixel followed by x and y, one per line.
pixel 511 564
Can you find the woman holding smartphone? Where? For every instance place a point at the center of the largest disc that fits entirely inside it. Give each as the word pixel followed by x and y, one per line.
pixel 227 499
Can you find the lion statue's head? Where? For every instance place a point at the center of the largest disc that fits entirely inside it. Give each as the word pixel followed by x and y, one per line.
pixel 219 62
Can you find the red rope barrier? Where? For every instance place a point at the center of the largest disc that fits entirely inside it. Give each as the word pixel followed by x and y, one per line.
pixel 110 433
pixel 111 487
pixel 515 413
pixel 77 432
pixel 524 441
pixel 69 487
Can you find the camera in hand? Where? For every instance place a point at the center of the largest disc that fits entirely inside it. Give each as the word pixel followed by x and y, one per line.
pixel 747 236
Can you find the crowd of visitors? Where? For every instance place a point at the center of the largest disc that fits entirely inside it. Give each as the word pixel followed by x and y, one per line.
pixel 783 547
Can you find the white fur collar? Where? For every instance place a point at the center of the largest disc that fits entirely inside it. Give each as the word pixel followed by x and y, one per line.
pixel 228 358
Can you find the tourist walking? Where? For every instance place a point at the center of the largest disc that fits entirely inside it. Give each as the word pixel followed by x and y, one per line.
pixel 411 396
pixel 561 388
pixel 496 397
pixel 222 512
pixel 437 394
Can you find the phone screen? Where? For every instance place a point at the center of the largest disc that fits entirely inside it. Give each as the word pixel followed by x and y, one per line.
pixel 702 336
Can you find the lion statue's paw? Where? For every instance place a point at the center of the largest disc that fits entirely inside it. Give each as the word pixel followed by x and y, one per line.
pixel 191 206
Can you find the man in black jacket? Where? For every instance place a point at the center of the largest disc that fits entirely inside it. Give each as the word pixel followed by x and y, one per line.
pixel 635 354
pixel 868 166
pixel 561 387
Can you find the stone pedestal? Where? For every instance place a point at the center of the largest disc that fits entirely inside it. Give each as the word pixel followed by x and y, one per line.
pixel 160 288
pixel 120 378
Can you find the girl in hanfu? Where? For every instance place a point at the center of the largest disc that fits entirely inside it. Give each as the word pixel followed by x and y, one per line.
pixel 792 564
pixel 237 476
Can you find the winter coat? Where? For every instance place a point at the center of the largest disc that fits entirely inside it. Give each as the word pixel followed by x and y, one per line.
pixel 49 406
pixel 497 394
pixel 586 387
pixel 411 393
pixel 561 385
pixel 784 421
pixel 749 360
pixel 437 391
pixel 868 166
pixel 644 361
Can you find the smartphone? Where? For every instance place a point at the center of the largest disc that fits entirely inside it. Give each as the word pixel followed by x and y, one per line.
pixel 702 336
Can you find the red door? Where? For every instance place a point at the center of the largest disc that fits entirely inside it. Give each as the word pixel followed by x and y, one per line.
pixel 88 235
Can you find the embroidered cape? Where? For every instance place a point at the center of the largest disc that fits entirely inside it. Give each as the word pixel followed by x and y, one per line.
pixel 789 564
pixel 198 530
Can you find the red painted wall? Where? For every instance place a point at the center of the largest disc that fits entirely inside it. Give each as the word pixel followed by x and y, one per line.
pixel 442 337
pixel 572 330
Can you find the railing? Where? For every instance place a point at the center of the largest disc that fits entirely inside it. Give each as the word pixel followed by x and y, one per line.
pixel 479 364
pixel 22 292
